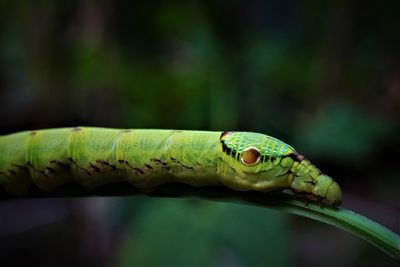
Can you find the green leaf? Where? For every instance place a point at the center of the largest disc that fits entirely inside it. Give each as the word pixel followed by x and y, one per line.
pixel 340 217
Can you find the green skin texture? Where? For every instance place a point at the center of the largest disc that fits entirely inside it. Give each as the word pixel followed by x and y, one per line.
pixel 94 157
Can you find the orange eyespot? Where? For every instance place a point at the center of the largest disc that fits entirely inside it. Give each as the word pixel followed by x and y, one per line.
pixel 250 156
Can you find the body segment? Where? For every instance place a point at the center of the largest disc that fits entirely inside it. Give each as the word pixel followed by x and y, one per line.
pixel 147 158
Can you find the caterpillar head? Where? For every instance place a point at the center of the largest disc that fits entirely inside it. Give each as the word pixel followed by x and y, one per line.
pixel 328 190
pixel 310 182
pixel 253 161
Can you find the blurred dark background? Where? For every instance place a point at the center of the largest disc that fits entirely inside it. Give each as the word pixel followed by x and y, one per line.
pixel 325 78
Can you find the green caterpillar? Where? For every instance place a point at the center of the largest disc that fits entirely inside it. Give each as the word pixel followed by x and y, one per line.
pixel 147 158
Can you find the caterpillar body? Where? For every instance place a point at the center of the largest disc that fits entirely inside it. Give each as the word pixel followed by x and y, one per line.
pixel 93 157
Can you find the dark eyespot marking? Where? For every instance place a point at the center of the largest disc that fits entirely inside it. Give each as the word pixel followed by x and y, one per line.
pixel 222 138
pixel 224 147
pixel 223 134
pixel 230 151
pixel 94 167
pixel 106 163
pixel 187 167
pixel 60 164
pixel 138 170
pixel 158 161
pixel 250 156
pixel 123 161
pixel 263 157
pixel 76 129
pixel 296 156
pixel 148 166
pixel 32 133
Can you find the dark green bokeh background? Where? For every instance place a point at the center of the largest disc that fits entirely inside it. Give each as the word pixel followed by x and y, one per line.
pixel 322 77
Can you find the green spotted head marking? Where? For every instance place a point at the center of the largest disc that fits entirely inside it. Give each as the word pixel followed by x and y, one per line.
pixel 236 144
pixel 263 163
